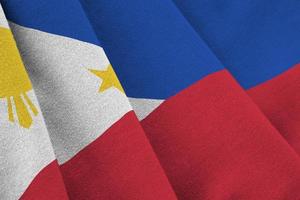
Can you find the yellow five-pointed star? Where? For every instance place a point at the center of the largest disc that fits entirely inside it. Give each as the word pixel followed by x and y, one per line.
pixel 109 79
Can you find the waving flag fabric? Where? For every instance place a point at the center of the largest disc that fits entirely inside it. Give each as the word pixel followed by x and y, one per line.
pixel 208 134
pixel 261 50
pixel 194 100
pixel 81 99
pixel 24 142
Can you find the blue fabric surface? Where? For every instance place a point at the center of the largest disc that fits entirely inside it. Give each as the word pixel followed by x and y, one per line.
pixel 61 17
pixel 154 50
pixel 255 40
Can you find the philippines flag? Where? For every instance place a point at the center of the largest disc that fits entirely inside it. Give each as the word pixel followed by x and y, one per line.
pixel 194 100
pixel 98 142
pixel 212 140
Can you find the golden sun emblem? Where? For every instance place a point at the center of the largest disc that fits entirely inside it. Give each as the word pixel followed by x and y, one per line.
pixel 14 82
pixel 109 79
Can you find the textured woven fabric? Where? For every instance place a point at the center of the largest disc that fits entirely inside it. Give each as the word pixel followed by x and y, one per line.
pixel 149 100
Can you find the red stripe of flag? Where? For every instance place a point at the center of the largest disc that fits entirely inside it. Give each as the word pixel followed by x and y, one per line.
pixel 47 185
pixel 279 99
pixel 118 165
pixel 214 143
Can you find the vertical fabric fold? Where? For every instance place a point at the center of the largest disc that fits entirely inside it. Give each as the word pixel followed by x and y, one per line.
pixel 28 168
pixel 101 148
pixel 258 42
pixel 211 139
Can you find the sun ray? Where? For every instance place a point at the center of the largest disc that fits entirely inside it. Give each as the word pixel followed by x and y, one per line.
pixel 24 117
pixel 10 110
pixel 15 82
pixel 31 105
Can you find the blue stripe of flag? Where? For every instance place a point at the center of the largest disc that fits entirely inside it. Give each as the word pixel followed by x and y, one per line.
pixel 61 17
pixel 153 49
pixel 255 40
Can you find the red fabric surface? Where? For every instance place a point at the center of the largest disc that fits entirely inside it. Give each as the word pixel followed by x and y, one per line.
pixel 214 143
pixel 118 165
pixel 279 100
pixel 47 185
